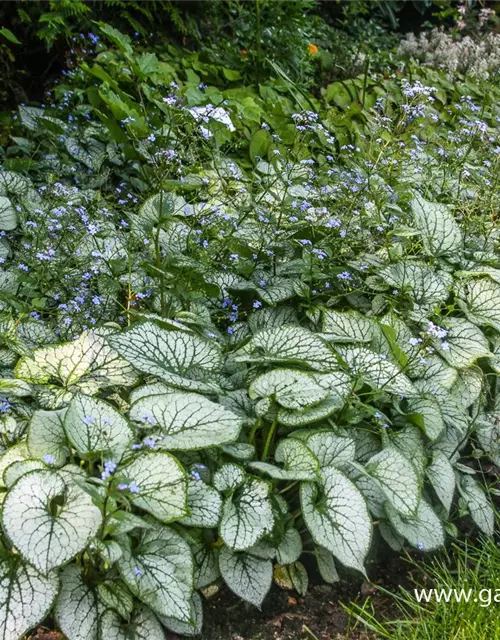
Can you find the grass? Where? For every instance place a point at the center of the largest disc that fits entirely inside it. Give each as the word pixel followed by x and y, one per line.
pixel 474 566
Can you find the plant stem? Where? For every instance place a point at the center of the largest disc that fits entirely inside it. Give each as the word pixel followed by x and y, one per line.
pixel 269 439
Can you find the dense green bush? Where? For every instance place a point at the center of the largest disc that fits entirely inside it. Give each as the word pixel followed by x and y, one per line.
pixel 239 325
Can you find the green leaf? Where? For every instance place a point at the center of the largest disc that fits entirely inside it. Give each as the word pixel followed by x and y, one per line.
pixel 187 420
pixel 248 576
pixel 488 434
pixel 49 519
pixel 338 519
pixel 442 478
pixel 465 343
pixel 397 478
pixel 424 531
pixel 7 33
pixel 204 505
pixel 289 344
pixel 143 625
pixel 481 301
pixel 348 326
pixel 94 427
pixel 76 610
pixel 162 484
pixel 159 571
pixel 114 594
pixel 290 548
pixel 259 144
pixel 440 231
pixel 247 515
pixel 377 370
pixel 176 357
pixel 193 628
pixel 26 597
pixel 298 461
pixel 8 215
pixel 479 504
pixel 326 565
pixel 291 389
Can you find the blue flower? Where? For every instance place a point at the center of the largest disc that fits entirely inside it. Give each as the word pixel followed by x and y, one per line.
pixel 4 405
pixel 48 458
pixel 133 488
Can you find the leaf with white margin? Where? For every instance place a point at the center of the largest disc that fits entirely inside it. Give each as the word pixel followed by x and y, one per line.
pixel 290 548
pixel 77 608
pixel 143 625
pixel 206 563
pixel 45 539
pixel 427 408
pixel 442 478
pixel 481 301
pixel 204 505
pixel 370 490
pixel 347 326
pixel 247 515
pixel 229 477
pixel 13 454
pixel 479 504
pixel 162 484
pixel 427 286
pixel 291 389
pixel 195 627
pixel 8 215
pixel 468 386
pixel 397 478
pixel 326 565
pixel 440 231
pixel 88 362
pixel 465 343
pixel 338 519
pixel 331 449
pixel 148 390
pixel 289 344
pixel 172 356
pixel 435 369
pixel 46 436
pixel 18 469
pixel 159 571
pixel 247 576
pixel 377 370
pixel 187 420
pixel 291 418
pixel 338 384
pixel 297 460
pixel 239 450
pixel 424 531
pixel 26 597
pixel 93 426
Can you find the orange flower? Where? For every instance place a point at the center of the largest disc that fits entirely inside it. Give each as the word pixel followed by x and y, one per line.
pixel 313 48
pixel 244 53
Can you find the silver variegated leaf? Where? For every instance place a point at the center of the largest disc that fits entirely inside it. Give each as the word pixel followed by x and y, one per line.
pixel 229 477
pixel 114 594
pixel 481 301
pixel 247 515
pixel 338 519
pixel 193 628
pixel 439 229
pixel 143 625
pixel 479 504
pixel 429 414
pixel 291 389
pixel 426 286
pixel 442 478
pixel 46 436
pixel 464 344
pixel 290 547
pixel 397 478
pixel 348 326
pixel 299 463
pixel 187 420
pixel 26 597
pixel 180 359
pixel 14 454
pixel 291 418
pixel 94 427
pixel 159 571
pixel 326 565
pixel 77 608
pixel 424 531
pixel 160 484
pixel 204 505
pixel 8 215
pixel 49 518
pixel 248 576
pixel 330 449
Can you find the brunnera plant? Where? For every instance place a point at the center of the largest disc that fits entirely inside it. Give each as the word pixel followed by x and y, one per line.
pixel 144 464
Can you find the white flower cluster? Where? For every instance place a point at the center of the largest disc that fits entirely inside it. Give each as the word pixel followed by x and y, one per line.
pixel 216 113
pixel 479 58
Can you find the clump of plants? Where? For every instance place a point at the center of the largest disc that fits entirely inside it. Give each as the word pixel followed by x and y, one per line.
pixel 233 334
